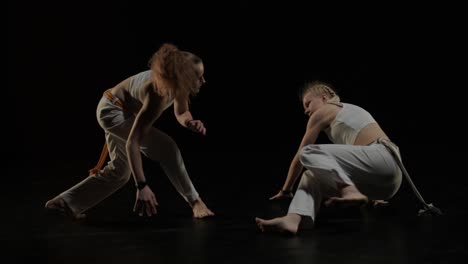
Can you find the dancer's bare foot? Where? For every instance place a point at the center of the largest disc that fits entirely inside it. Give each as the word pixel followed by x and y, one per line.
pixel 200 210
pixel 379 203
pixel 287 224
pixel 57 204
pixel 350 195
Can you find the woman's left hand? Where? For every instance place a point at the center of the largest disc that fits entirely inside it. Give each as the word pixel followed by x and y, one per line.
pixel 281 195
pixel 196 126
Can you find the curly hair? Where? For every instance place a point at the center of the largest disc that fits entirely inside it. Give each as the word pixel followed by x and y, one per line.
pixel 174 71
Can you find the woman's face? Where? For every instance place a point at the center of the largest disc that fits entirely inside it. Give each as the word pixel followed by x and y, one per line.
pixel 200 69
pixel 312 102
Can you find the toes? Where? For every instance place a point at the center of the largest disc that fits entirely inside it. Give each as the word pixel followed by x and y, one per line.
pixel 260 224
pixel 379 203
pixel 209 213
pixel 203 214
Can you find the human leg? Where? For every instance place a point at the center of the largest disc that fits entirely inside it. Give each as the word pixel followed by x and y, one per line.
pixel 115 174
pixel 306 202
pixel 158 146
pixel 363 171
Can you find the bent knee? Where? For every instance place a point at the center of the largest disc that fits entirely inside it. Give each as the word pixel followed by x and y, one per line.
pixel 308 177
pixel 311 149
pixel 313 156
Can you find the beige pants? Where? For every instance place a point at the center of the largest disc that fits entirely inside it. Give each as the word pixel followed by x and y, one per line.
pixel 371 169
pixel 156 145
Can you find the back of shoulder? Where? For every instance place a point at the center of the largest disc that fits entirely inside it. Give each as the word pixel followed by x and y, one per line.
pixel 133 86
pixel 325 115
pixel 354 115
pixel 354 108
pixel 141 76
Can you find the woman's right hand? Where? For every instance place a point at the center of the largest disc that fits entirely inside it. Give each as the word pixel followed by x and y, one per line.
pixel 145 202
pixel 282 195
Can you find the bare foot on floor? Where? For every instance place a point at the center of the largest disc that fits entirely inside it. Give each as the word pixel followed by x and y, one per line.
pixel 57 204
pixel 200 210
pixel 379 203
pixel 350 196
pixel 287 224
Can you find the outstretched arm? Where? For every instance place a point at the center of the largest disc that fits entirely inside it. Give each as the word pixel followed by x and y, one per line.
pixel 150 111
pixel 184 117
pixel 316 123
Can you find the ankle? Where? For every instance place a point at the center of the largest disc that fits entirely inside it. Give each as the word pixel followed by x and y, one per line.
pixel 196 202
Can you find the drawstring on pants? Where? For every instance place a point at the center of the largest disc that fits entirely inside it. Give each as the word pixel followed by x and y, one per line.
pixel 428 208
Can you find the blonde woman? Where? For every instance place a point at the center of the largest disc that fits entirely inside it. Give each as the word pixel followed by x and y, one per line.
pixel 356 168
pixel 127 113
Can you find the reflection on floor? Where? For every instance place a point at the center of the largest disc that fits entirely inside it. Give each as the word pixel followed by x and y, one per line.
pixel 113 234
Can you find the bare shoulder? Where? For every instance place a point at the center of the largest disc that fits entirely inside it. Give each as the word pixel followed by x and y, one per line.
pixel 324 116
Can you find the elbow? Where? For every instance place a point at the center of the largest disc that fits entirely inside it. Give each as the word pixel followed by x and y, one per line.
pixel 179 119
pixel 183 119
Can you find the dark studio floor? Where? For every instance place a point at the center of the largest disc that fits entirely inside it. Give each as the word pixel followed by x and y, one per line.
pixel 112 234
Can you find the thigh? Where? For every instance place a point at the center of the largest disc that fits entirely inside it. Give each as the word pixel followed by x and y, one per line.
pixel 157 145
pixel 114 120
pixel 328 186
pixel 363 164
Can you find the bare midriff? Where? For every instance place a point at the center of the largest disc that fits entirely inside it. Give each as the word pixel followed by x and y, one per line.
pixel 369 134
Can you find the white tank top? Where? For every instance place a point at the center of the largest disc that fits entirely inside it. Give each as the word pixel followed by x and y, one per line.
pixel 137 83
pixel 348 123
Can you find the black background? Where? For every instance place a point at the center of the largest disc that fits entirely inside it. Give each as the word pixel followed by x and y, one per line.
pixel 403 64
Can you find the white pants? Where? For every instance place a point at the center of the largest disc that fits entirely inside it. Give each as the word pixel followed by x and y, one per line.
pixel 156 145
pixel 371 169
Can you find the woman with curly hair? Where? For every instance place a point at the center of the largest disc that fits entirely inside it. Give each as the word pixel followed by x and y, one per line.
pixel 127 113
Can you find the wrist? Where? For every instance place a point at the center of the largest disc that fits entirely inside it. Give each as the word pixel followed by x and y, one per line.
pixel 141 184
pixel 287 192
